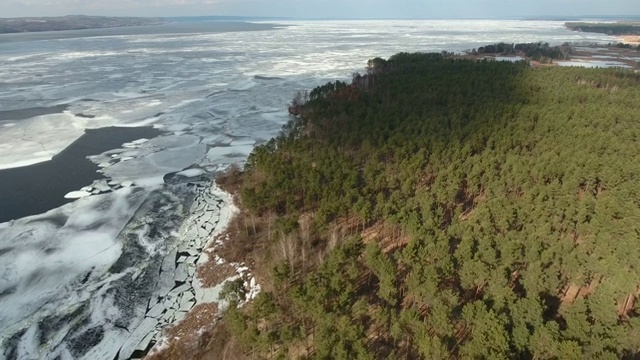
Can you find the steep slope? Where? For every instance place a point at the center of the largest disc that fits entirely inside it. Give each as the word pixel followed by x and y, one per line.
pixel 443 208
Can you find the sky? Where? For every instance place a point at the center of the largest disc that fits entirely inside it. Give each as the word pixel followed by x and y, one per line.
pixel 323 8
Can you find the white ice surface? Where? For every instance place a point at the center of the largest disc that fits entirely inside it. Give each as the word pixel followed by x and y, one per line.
pixel 50 257
pixel 37 139
pixel 509 58
pixel 589 63
pixel 218 153
pixel 77 194
pixel 191 173
pixel 244 85
pixel 149 170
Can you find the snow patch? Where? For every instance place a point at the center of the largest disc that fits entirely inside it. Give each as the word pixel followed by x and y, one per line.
pixel 191 172
pixel 77 194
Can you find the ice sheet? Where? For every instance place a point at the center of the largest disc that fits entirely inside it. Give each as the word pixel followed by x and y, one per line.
pixel 593 63
pixel 191 173
pixel 55 249
pixel 150 169
pixel 38 139
pixel 509 58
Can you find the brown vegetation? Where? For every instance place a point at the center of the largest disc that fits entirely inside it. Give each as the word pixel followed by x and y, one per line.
pixel 212 274
pixel 389 237
pixel 189 338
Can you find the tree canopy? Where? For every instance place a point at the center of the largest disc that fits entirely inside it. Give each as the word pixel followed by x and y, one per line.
pixel 539 51
pixel 447 208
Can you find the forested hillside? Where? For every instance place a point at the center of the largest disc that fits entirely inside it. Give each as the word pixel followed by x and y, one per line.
pixel 619 28
pixel 441 208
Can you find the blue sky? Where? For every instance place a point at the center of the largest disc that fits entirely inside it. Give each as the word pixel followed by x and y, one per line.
pixel 323 8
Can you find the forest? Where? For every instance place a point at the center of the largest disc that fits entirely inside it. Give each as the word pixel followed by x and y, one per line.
pixel 539 51
pixel 444 208
pixel 618 28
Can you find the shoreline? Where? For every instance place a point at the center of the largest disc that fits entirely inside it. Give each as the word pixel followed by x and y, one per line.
pixel 178 291
pixel 174 27
pixel 186 332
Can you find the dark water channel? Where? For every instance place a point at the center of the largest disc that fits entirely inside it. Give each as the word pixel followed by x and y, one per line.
pixel 38 188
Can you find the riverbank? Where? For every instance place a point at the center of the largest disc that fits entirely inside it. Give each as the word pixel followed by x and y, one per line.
pixel 189 332
pixel 146 280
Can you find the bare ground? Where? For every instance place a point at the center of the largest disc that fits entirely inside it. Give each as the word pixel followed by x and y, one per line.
pixel 630 39
pixel 189 337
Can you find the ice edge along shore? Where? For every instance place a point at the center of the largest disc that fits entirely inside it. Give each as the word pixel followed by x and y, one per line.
pixel 210 215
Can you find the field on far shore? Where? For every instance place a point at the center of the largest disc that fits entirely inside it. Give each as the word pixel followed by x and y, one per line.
pixel 630 39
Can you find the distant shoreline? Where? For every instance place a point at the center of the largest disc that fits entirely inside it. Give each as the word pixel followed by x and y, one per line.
pixel 172 27
pixel 41 24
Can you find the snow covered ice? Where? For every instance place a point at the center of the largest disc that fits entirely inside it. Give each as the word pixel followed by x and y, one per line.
pixel 81 281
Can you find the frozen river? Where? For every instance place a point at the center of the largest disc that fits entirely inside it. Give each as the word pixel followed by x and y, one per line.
pixel 79 278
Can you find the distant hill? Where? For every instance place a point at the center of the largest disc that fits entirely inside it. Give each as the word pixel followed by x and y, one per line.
pixel 75 22
pixel 226 18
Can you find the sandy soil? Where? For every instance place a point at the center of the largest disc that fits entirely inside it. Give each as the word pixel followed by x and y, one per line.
pixel 630 39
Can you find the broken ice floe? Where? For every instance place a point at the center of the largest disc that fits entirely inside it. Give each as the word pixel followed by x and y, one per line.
pixel 191 172
pixel 114 322
pixel 77 194
pixel 98 187
pixel 175 305
pixel 164 154
pixel 211 210
pixel 74 247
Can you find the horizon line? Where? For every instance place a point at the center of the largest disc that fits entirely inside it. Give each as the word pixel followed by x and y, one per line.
pixel 246 17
